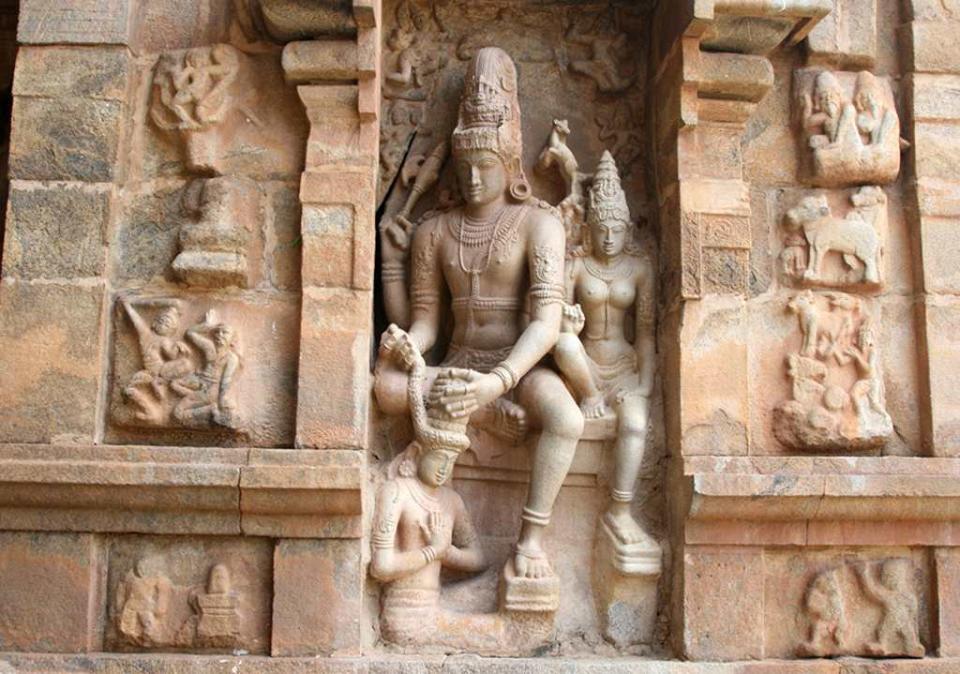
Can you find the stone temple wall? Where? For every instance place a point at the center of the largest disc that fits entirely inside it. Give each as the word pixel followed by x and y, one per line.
pixel 506 335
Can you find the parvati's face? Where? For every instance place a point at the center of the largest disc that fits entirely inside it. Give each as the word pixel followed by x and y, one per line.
pixel 609 237
pixel 436 467
pixel 481 175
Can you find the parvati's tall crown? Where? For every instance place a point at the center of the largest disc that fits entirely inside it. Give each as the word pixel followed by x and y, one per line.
pixel 489 117
pixel 606 200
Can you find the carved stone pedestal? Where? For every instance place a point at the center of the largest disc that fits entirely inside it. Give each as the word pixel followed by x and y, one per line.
pixel 626 594
pixel 541 595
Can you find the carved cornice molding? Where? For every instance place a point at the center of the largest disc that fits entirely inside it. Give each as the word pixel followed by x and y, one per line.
pixel 174 490
pixel 779 500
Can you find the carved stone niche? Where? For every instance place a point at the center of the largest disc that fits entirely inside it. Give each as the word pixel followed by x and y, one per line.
pixel 835 247
pixel 850 128
pixel 181 373
pixel 837 401
pixel 202 595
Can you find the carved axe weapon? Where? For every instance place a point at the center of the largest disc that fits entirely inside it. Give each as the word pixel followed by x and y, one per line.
pixel 426 178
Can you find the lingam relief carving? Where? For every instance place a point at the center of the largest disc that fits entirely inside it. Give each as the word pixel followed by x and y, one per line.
pixel 866 608
pixel 850 128
pixel 150 611
pixel 199 96
pixel 837 400
pixel 517 290
pixel 187 377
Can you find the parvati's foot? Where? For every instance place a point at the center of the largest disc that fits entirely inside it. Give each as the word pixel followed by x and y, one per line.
pixel 626 530
pixel 593 407
pixel 531 562
pixel 509 422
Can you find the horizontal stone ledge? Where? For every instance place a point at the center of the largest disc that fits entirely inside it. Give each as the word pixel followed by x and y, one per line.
pixel 103 663
pixel 809 489
pixel 176 490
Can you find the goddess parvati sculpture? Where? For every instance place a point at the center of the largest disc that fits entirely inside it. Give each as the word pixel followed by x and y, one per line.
pixel 853 142
pixel 421 524
pixel 186 380
pixel 489 257
pixel 611 296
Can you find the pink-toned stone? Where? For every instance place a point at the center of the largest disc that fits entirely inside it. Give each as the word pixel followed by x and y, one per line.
pixel 326 617
pixel 51 595
pixel 723 603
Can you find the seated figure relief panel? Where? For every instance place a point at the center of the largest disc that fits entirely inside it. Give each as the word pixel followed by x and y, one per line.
pixel 523 361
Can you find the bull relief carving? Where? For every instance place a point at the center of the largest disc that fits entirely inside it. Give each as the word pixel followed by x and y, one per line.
pixel 149 610
pixel 836 605
pixel 850 127
pixel 837 398
pixel 828 250
pixel 187 377
pixel 198 96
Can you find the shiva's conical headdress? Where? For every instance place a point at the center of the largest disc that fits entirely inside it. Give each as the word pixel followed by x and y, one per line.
pixel 489 116
pixel 606 199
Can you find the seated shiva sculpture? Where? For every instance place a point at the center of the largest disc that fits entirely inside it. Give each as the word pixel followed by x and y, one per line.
pixel 421 524
pixel 611 296
pixel 496 262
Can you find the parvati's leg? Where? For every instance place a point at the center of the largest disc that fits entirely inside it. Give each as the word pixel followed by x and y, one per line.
pixel 552 409
pixel 628 456
pixel 571 360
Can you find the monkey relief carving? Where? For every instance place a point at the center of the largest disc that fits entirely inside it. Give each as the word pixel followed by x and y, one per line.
pixel 878 595
pixel 837 391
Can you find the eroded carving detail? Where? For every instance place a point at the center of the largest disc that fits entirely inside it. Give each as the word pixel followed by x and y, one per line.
pixel 833 604
pixel 826 411
pixel 187 379
pixel 854 139
pixel 814 234
pixel 195 93
pixel 149 609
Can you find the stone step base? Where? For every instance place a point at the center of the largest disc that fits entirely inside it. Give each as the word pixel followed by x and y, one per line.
pixel 104 663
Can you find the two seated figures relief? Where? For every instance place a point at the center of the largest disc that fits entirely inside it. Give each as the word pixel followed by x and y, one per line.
pixel 546 336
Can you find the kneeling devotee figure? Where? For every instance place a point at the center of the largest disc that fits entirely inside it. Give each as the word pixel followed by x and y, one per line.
pixel 421 523
pixel 498 261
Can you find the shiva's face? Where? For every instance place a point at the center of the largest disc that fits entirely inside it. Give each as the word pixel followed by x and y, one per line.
pixel 481 175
